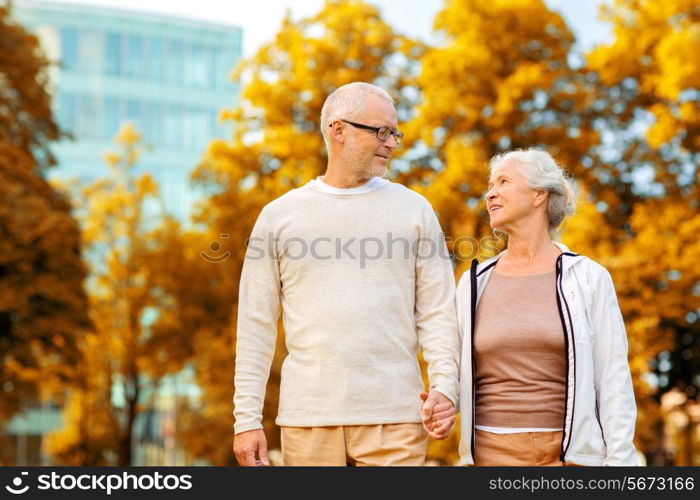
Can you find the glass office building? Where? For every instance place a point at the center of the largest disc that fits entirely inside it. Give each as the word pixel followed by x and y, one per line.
pixel 168 76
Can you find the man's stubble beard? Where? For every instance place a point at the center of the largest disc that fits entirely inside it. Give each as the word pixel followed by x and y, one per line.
pixel 355 160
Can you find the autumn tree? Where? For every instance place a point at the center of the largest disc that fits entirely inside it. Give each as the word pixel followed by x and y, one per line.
pixel 26 118
pixel 124 356
pixel 42 302
pixel 484 93
pixel 648 82
pixel 189 270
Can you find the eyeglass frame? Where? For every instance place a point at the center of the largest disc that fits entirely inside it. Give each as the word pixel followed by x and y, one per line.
pixel 398 135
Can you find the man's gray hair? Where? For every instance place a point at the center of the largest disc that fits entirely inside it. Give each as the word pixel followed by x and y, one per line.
pixel 541 171
pixel 346 102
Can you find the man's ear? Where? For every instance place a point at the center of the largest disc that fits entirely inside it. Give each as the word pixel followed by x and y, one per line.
pixel 337 132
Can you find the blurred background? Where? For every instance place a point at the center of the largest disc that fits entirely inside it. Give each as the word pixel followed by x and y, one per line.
pixel 137 148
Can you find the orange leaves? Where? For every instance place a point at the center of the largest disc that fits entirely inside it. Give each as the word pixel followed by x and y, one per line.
pixel 519 86
pixel 587 231
pixel 127 136
pixel 26 119
pixel 42 302
pixel 146 186
pixel 499 81
pixel 679 68
pixel 132 249
pixel 656 46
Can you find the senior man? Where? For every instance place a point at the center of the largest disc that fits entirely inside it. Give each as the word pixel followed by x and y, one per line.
pixel 359 267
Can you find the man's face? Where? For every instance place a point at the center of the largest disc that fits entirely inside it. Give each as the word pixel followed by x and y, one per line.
pixel 362 152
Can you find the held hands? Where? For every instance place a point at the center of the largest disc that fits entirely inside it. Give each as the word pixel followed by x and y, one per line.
pixel 250 448
pixel 437 411
pixel 438 414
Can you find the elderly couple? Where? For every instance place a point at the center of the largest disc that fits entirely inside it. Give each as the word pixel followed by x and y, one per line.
pixel 530 348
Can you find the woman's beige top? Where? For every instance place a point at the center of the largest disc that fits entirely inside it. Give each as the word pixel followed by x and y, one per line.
pixel 520 353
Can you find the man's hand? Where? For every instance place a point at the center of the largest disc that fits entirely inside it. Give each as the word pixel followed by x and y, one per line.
pixel 250 448
pixel 438 414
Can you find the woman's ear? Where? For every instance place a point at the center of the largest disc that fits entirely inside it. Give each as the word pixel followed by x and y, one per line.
pixel 541 196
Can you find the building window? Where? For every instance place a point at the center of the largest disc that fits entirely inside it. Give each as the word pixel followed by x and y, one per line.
pixel 214 125
pixel 154 58
pixel 172 125
pixel 217 73
pixel 173 62
pixel 133 114
pixel 111 118
pixel 196 66
pixel 133 62
pixel 153 116
pixel 113 56
pixel 86 125
pixel 69 48
pixel 66 112
pixel 90 50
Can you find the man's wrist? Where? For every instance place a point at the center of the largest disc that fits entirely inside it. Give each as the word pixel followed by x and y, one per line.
pixel 451 397
pixel 240 429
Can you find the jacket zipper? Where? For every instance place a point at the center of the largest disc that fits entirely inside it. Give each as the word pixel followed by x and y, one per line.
pixel 561 297
pixel 473 281
pixel 597 417
pixel 472 276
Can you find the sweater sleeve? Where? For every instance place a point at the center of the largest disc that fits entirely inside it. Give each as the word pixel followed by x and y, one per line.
pixel 256 332
pixel 435 314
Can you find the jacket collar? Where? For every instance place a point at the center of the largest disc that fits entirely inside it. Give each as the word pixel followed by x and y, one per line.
pixel 572 258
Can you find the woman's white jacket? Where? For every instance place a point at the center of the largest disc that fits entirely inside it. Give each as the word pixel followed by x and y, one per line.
pixel 600 410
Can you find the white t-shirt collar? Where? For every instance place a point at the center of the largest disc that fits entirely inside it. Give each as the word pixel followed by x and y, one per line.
pixel 371 185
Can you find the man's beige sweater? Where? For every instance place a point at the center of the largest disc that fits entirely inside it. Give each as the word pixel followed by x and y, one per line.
pixel 363 281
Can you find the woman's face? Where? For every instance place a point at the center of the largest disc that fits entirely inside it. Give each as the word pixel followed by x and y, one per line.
pixel 509 199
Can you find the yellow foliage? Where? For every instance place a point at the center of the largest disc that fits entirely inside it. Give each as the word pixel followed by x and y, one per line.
pixel 656 45
pixel 127 136
pixel 483 94
pixel 42 301
pixel 131 346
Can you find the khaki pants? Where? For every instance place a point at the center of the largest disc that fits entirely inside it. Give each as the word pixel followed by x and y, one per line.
pixel 361 445
pixel 522 449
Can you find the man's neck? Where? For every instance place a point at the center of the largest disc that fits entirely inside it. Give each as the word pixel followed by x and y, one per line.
pixel 344 180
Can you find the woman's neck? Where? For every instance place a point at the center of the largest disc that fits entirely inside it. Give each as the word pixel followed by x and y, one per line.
pixel 530 249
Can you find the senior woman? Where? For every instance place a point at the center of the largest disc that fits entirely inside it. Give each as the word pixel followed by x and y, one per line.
pixel 544 374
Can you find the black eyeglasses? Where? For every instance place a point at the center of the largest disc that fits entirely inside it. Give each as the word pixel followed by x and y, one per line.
pixel 383 133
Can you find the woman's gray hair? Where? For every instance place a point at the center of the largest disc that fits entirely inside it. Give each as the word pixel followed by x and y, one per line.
pixel 346 102
pixel 541 171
